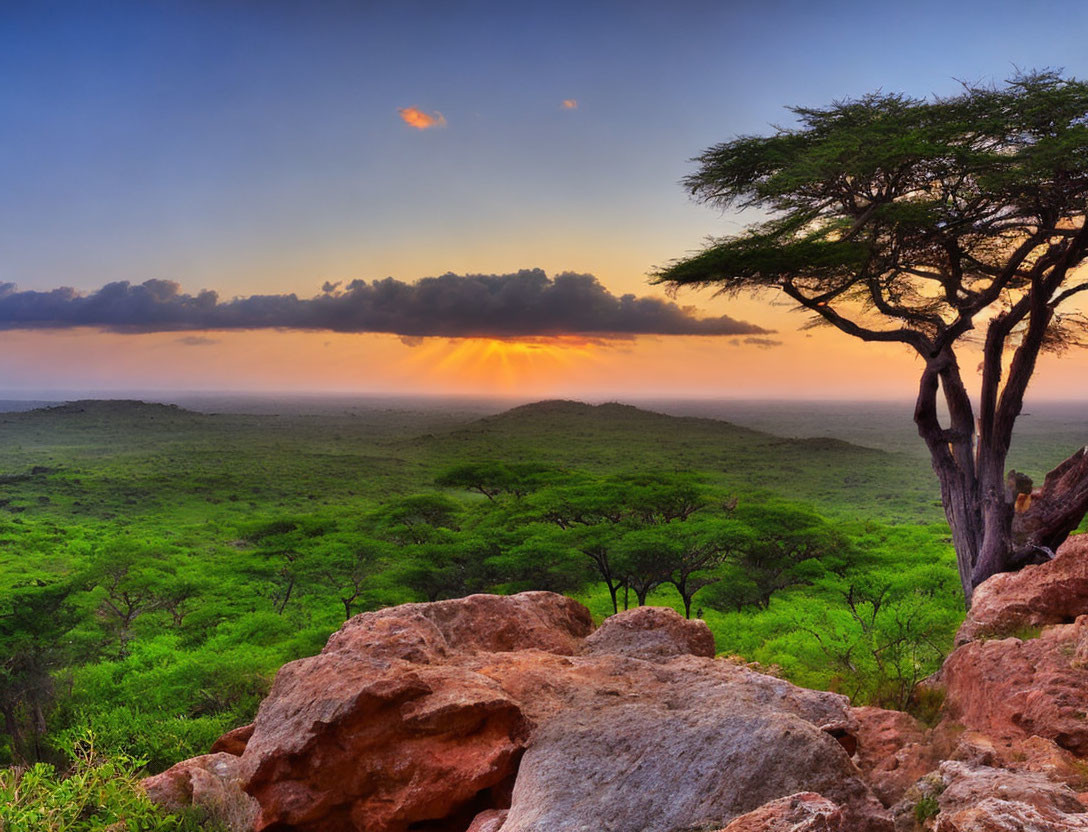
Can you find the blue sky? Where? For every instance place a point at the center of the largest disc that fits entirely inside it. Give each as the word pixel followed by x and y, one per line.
pixel 256 146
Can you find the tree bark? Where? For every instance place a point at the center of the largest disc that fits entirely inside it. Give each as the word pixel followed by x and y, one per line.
pixel 998 522
pixel 953 462
pixel 1046 516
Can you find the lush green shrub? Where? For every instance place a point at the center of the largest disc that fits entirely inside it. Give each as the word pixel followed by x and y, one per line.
pixel 95 794
pixel 158 739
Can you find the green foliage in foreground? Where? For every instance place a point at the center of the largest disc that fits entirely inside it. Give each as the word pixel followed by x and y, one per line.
pixel 93 794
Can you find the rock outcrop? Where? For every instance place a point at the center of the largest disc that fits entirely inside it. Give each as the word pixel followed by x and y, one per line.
pixel 1012 689
pixel 233 742
pixel 804 812
pixel 894 751
pixel 419 716
pixel 213 783
pixel 512 714
pixel 342 743
pixel 1014 728
pixel 651 633
pixel 964 798
pixel 1055 592
pixel 650 767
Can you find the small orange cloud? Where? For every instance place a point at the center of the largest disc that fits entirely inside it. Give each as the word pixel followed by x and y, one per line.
pixel 421 120
pixel 570 103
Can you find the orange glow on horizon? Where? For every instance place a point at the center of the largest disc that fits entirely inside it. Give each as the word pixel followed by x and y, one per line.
pixel 821 364
pixel 500 365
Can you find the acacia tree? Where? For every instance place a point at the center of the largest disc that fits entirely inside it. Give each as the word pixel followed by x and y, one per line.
pixel 597 512
pixel 684 554
pixel 777 546
pixel 916 222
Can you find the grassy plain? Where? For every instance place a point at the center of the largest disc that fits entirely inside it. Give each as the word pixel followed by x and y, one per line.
pixel 186 497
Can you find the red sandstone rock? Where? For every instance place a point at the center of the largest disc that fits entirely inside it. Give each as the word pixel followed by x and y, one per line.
pixel 212 783
pixel 985 799
pixel 966 786
pixel 233 742
pixel 996 815
pixel 804 812
pixel 1010 689
pixel 489 821
pixel 478 623
pixel 1055 592
pixel 1035 754
pixel 893 751
pixel 345 743
pixel 651 633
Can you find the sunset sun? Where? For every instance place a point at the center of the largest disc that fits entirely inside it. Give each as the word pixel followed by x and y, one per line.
pixel 499 365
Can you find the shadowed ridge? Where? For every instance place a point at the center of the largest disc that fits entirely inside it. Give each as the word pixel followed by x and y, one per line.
pixel 608 414
pixel 113 407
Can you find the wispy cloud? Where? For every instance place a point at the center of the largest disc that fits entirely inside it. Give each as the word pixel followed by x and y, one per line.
pixel 196 340
pixel 763 343
pixel 570 104
pixel 421 120
pixel 524 304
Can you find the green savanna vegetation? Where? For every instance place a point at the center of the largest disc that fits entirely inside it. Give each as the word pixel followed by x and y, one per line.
pixel 158 565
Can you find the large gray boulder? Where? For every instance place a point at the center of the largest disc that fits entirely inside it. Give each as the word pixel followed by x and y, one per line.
pixel 645 766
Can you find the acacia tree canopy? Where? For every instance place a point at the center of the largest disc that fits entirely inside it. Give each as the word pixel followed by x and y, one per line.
pixel 917 222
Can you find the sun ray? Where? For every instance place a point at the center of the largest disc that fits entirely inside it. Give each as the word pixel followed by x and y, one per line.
pixel 498 365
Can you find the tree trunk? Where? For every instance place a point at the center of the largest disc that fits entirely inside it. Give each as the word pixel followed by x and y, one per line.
pixel 11 728
pixel 1004 527
pixel 1046 516
pixel 954 463
pixel 612 593
pixel 998 523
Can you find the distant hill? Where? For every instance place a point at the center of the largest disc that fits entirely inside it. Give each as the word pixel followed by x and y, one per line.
pixel 165 450
pixel 611 416
pixel 831 473
pixel 115 408
pixel 572 423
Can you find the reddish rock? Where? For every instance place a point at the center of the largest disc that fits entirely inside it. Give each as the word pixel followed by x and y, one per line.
pixel 233 742
pixel 546 686
pixel 804 812
pixel 346 743
pixel 996 815
pixel 212 783
pixel 477 623
pixel 985 799
pixel 489 821
pixel 1010 689
pixel 966 786
pixel 651 633
pixel 1035 754
pixel 1055 592
pixel 893 751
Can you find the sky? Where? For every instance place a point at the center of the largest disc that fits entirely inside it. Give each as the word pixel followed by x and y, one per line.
pixel 434 197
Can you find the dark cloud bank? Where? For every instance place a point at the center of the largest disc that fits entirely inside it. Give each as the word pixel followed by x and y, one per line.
pixel 528 303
